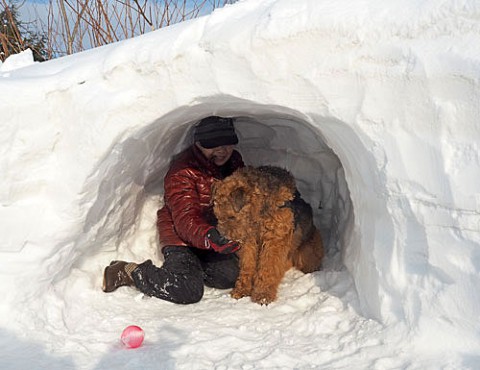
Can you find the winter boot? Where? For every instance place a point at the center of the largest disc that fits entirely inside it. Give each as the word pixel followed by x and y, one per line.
pixel 117 274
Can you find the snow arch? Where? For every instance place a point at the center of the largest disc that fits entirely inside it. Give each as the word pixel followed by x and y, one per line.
pixel 316 149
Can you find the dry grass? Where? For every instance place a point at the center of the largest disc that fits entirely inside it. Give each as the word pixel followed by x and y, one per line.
pixel 73 26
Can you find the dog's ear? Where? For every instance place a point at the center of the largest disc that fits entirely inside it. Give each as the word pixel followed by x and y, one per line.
pixel 238 196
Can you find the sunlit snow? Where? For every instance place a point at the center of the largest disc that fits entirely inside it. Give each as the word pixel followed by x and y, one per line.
pixel 372 105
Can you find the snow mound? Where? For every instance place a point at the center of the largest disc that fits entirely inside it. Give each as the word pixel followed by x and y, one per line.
pixel 15 61
pixel 373 106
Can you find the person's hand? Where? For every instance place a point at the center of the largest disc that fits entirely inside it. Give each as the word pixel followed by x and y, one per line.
pixel 219 243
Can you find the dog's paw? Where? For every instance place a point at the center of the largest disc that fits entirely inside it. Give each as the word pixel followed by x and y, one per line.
pixel 239 293
pixel 263 298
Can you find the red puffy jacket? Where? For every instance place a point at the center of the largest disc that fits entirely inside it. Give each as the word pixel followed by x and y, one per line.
pixel 187 213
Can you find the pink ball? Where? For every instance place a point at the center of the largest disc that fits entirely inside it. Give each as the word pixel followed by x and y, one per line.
pixel 132 336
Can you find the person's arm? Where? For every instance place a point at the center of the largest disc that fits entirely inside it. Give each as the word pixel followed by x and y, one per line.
pixel 183 201
pixel 182 198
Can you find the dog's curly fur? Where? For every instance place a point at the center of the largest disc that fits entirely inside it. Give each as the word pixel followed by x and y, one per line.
pixel 262 209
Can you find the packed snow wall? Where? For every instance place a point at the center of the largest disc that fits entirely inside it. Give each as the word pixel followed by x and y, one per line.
pixel 378 119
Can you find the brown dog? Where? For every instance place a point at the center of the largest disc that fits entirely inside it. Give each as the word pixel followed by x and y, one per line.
pixel 262 209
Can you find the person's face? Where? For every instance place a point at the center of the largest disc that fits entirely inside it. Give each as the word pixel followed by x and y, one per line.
pixel 218 155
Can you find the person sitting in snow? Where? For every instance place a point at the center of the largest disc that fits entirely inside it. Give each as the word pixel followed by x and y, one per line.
pixel 195 253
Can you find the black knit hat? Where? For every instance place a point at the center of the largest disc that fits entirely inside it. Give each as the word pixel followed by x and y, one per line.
pixel 215 131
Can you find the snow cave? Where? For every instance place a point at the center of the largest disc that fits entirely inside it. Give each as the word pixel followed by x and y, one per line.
pixel 270 135
pixel 374 109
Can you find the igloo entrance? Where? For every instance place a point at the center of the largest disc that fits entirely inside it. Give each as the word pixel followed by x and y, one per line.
pixel 133 173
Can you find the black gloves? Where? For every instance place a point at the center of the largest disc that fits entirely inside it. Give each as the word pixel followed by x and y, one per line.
pixel 219 243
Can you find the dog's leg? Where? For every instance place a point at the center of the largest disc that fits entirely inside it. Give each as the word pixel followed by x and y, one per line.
pixel 309 256
pixel 248 264
pixel 274 258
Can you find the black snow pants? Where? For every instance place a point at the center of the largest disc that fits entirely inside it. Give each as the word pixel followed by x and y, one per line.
pixel 184 273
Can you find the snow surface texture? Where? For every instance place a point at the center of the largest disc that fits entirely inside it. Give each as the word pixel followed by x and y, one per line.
pixel 373 105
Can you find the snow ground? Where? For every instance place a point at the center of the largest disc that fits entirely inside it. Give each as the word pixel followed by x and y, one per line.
pixel 373 105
